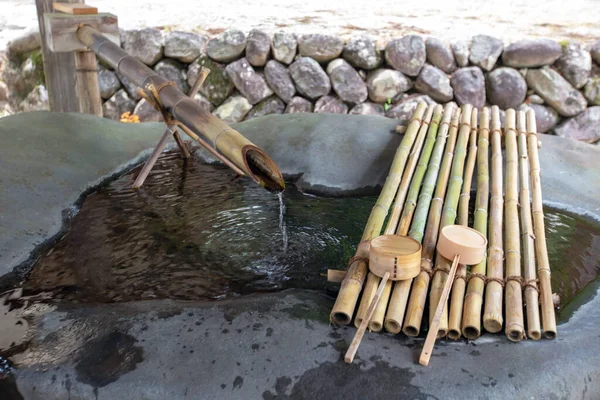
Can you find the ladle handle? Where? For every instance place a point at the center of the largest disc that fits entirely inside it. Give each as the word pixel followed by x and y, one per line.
pixel 435 322
pixel 365 322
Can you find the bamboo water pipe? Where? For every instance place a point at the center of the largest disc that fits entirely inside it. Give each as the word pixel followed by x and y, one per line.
pixel 541 251
pixel 420 286
pixel 460 281
pixel 515 325
pixel 376 323
pixel 492 316
pixel 433 150
pixel 235 147
pixel 473 303
pixel 448 217
pixel 531 288
pixel 351 286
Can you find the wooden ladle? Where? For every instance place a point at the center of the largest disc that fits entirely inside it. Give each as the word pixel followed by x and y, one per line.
pixel 391 257
pixel 457 243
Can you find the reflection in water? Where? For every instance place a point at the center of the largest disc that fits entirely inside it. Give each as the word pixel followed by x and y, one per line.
pixel 195 232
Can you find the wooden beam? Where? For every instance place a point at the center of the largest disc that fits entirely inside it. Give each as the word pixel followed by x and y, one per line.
pixel 87 85
pixel 77 9
pixel 61 30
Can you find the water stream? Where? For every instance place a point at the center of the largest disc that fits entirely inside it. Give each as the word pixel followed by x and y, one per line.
pixel 282 226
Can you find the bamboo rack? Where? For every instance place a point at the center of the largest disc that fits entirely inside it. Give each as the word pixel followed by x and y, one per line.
pixel 429 188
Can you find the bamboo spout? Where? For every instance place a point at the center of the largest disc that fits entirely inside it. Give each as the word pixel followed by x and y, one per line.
pixel 240 151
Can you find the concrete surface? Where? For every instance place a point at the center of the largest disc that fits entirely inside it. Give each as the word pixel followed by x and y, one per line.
pixel 270 346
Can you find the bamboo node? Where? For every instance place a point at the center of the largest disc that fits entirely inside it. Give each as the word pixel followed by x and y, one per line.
pixel 427 270
pixel 516 278
pixel 457 277
pixel 465 123
pixel 444 123
pixel 439 268
pixel 477 275
pixel 357 258
pixel 413 119
pixel 500 281
pixel 532 283
pixel 511 251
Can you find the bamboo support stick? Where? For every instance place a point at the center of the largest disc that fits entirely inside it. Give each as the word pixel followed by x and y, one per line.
pixel 433 150
pixel 442 264
pixel 492 316
pixel 431 212
pixel 515 326
pixel 367 296
pixel 471 324
pixel 460 281
pixel 541 251
pixel 531 288
pixel 345 304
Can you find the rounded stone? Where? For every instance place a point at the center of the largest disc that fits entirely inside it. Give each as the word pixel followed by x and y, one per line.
pixel 556 91
pixel 407 54
pixel 173 71
pixel 531 53
pixel 346 82
pixel 583 127
pixel 298 105
pixel 575 65
pixel 118 104
pixel 107 82
pixel 184 46
pixel 271 105
pixel 279 79
pixel 362 52
pixel 368 108
pixel 385 84
pixel 546 118
pixel 330 105
pixel 461 52
pixel 405 108
pixel 439 55
pixel 227 46
pixel 310 79
pixel 435 83
pixel 250 84
pixel 146 45
pixel 234 109
pixel 469 86
pixel 485 51
pixel 146 112
pixel 217 86
pixel 591 91
pixel 258 47
pixel 505 87
pixel 595 51
pixel 284 47
pixel 322 48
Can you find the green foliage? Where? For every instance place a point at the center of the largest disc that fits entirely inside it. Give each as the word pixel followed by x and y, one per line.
pixel 388 104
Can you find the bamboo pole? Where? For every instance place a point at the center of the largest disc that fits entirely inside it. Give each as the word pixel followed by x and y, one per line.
pixel 471 324
pixel 430 212
pixel 376 323
pixel 344 306
pixel 515 326
pixel 442 264
pixel 492 316
pixel 531 288
pixel 541 251
pixel 460 281
pixel 433 151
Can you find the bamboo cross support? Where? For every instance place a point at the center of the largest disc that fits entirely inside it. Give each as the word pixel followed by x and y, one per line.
pixel 541 251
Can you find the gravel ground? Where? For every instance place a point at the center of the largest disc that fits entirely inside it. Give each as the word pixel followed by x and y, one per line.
pixel 447 19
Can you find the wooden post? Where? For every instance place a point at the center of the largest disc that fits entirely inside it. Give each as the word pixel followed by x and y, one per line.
pixel 68 90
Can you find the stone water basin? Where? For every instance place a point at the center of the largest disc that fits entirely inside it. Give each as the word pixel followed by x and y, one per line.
pixel 155 336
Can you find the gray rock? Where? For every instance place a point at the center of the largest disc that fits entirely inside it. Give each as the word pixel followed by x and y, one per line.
pixel 330 105
pixel 25 43
pixel 531 53
pixel 583 127
pixel 203 102
pixel 146 112
pixel 346 82
pixel 298 105
pixel 118 104
pixel 36 100
pixel 250 84
pixel 595 52
pixel 130 87
pixel 322 48
pixel 575 65
pixel 385 84
pixel 485 51
pixel 435 83
pixel 145 44
pixel 469 86
pixel 407 54
pixel 5 109
pixel 556 91
pixel 505 87
pixel 405 108
pixel 546 118
pixel 258 46
pixel 279 79
pixel 184 46
pixel 439 55
pixel 108 83
pixel 227 46
pixel 534 99
pixel 591 91
pixel 234 109
pixel 362 52
pixel 461 52
pixel 368 108
pixel 284 47
pixel 310 79
pixel 3 91
pixel 271 105
pixel 174 71
pixel 217 87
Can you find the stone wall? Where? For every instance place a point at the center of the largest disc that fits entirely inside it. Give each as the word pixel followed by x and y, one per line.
pixel 256 74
